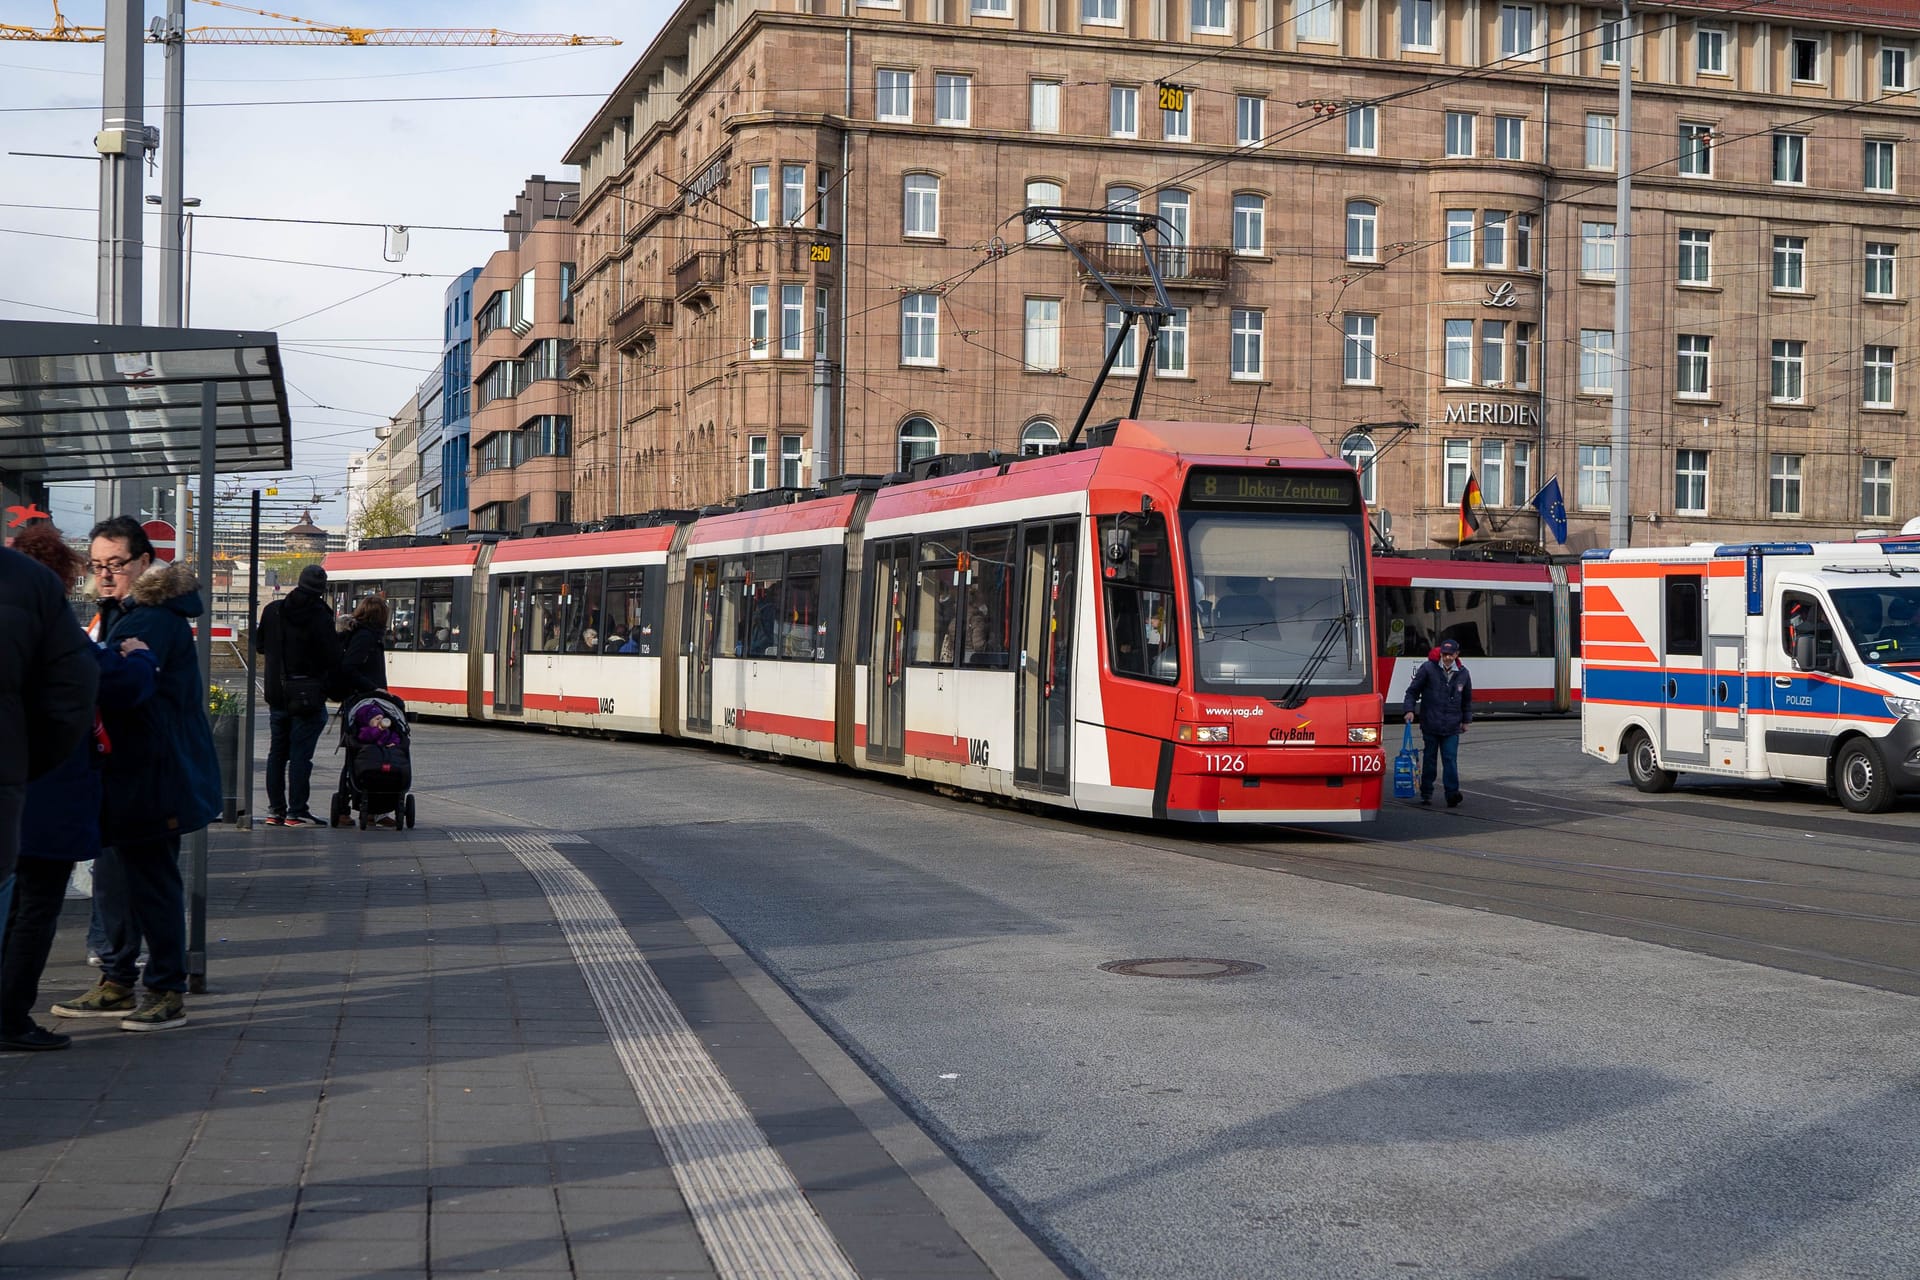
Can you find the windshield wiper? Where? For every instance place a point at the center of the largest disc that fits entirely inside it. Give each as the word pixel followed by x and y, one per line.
pixel 1296 693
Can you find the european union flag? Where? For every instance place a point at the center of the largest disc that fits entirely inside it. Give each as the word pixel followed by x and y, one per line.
pixel 1553 509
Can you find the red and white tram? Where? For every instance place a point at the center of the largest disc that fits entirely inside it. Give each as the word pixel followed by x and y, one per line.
pixel 1165 624
pixel 1518 626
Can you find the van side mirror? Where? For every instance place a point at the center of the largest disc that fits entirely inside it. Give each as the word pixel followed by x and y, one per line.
pixel 1803 652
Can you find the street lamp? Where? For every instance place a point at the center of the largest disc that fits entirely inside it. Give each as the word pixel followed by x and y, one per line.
pixel 187 205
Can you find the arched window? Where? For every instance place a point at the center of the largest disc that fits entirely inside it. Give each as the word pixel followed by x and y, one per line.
pixel 1358 452
pixel 921 205
pixel 1040 437
pixel 1122 200
pixel 919 438
pixel 1042 194
pixel 1363 230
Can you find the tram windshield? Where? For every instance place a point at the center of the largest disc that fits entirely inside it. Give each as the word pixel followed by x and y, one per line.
pixel 1883 622
pixel 1280 604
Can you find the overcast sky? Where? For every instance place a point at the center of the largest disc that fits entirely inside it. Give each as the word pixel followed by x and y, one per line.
pixel 311 143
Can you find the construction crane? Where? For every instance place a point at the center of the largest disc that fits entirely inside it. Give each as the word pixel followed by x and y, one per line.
pixel 311 33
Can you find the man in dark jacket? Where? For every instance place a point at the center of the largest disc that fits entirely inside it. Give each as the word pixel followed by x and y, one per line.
pixel 302 653
pixel 47 682
pixel 1441 694
pixel 160 782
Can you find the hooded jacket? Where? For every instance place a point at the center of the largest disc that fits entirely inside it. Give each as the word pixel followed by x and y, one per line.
pixel 366 660
pixel 297 636
pixel 162 777
pixel 1442 700
pixel 62 818
pixel 47 677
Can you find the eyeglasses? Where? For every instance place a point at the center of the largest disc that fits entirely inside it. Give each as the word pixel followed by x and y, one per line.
pixel 109 568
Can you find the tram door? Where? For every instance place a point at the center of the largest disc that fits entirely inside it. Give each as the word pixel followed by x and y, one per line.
pixel 892 578
pixel 703 623
pixel 509 643
pixel 1043 716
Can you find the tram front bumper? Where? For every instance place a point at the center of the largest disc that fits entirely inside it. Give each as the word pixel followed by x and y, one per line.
pixel 1287 784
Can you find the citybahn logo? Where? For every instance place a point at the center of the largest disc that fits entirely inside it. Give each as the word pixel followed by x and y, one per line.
pixel 1301 735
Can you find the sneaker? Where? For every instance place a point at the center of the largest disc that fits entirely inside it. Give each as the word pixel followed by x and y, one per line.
pixel 1453 799
pixel 1426 799
pixel 301 820
pixel 276 820
pixel 93 959
pixel 385 821
pixel 35 1039
pixel 160 1011
pixel 106 1000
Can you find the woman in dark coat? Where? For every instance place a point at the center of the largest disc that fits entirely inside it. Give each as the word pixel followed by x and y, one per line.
pixel 367 644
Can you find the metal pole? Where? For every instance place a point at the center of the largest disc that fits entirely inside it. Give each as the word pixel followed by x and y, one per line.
pixel 822 414
pixel 197 842
pixel 172 168
pixel 121 144
pixel 1620 477
pixel 245 788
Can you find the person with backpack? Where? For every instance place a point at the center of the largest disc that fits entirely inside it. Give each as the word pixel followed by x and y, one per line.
pixel 1441 695
pixel 303 657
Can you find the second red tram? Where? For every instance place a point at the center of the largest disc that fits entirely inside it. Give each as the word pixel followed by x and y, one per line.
pixel 1175 622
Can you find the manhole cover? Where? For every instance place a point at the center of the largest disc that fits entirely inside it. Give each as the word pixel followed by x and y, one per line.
pixel 1183 967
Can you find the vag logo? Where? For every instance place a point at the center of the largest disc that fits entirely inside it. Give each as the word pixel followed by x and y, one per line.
pixel 977 751
pixel 729 718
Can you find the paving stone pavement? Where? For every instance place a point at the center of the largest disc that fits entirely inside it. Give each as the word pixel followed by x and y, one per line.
pixel 399 1071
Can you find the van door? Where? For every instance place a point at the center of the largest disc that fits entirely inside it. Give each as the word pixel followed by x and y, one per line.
pixel 1683 687
pixel 1727 702
pixel 1806 699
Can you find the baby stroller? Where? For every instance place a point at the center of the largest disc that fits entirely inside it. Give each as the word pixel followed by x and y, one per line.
pixel 378 773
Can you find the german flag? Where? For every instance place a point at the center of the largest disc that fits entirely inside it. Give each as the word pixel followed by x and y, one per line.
pixel 1470 508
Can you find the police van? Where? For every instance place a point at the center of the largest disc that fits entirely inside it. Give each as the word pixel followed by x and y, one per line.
pixel 1793 661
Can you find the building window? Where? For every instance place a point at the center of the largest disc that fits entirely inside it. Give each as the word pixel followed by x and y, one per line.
pixel 1790 159
pixel 1790 263
pixel 1210 16
pixel 922 205
pixel 1509 133
pixel 1493 472
pixel 1879 262
pixel 1363 129
pixel 1516 31
pixel 1043 335
pixel 1170 353
pixel 919 438
pixel 1877 160
pixel 1610 42
pixel 1459 133
pixel 1175 220
pixel 1459 238
pixel 1458 361
pixel 1522 354
pixel 1808 53
pixel 1493 353
pixel 758 320
pixel 1250 120
pixel 1696 150
pixel 1363 231
pixel 1783 484
pixel 790 462
pixel 1596 362
pixel 1358 451
pixel 1876 488
pixel 793 329
pixel 1039 438
pixel 893 100
pixel 1177 126
pixel 1493 238
pixel 1042 194
pixel 1596 250
pixel 1710 45
pixel 1593 491
pixel 920 329
pixel 1123 200
pixel 1788 384
pixel 1877 378
pixel 1696 256
pixel 1247 356
pixel 1313 20
pixel 1599 140
pixel 759 180
pixel 1690 482
pixel 1249 223
pixel 1895 67
pixel 1523 242
pixel 1522 470
pixel 1456 464
pixel 1128 358
pixel 793 194
pixel 1416 24
pixel 1043 106
pixel 1358 350
pixel 1123 111
pixel 1105 12
pixel 1693 365
pixel 952 99
pixel 756 463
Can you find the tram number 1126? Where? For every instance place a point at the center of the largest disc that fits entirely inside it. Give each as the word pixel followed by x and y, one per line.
pixel 1225 763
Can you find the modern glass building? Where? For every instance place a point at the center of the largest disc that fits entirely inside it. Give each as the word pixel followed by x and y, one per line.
pixel 446 409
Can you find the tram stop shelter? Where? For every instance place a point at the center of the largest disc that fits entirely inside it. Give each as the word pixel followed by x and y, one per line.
pixel 126 402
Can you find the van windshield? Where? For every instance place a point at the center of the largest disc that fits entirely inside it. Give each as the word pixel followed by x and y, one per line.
pixel 1882 622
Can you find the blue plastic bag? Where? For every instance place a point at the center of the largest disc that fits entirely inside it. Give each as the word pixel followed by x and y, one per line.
pixel 1406 768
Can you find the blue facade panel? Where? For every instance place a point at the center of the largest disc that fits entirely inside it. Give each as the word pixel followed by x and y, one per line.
pixel 443 435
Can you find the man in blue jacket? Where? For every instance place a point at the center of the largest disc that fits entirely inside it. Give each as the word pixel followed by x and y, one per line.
pixel 1441 694
pixel 161 781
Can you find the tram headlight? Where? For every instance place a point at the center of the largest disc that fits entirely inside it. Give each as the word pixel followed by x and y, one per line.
pixel 1206 733
pixel 1908 708
pixel 1364 735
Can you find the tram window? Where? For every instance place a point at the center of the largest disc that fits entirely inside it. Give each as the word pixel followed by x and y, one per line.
pixel 1406 621
pixel 764 611
pixel 544 609
pixel 1462 618
pixel 1142 639
pixel 403 616
pixel 348 595
pixel 801 633
pixel 734 607
pixel 936 615
pixel 436 615
pixel 989 597
pixel 1684 609
pixel 622 609
pixel 582 600
pixel 1521 624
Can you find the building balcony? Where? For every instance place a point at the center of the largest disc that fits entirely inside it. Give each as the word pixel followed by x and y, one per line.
pixel 698 275
pixel 1181 267
pixel 639 320
pixel 583 356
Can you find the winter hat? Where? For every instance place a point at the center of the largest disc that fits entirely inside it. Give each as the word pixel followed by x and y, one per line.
pixel 314 579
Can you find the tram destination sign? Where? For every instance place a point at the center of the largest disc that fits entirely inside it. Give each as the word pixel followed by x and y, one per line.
pixel 1291 490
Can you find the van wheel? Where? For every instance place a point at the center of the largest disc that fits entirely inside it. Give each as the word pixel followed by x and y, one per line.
pixel 1861 780
pixel 1643 765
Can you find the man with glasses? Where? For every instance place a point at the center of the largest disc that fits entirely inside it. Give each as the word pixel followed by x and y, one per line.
pixel 160 781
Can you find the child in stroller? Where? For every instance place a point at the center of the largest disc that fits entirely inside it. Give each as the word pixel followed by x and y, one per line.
pixel 378 773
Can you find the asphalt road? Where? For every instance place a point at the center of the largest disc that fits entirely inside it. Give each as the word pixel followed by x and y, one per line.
pixel 1564 1031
